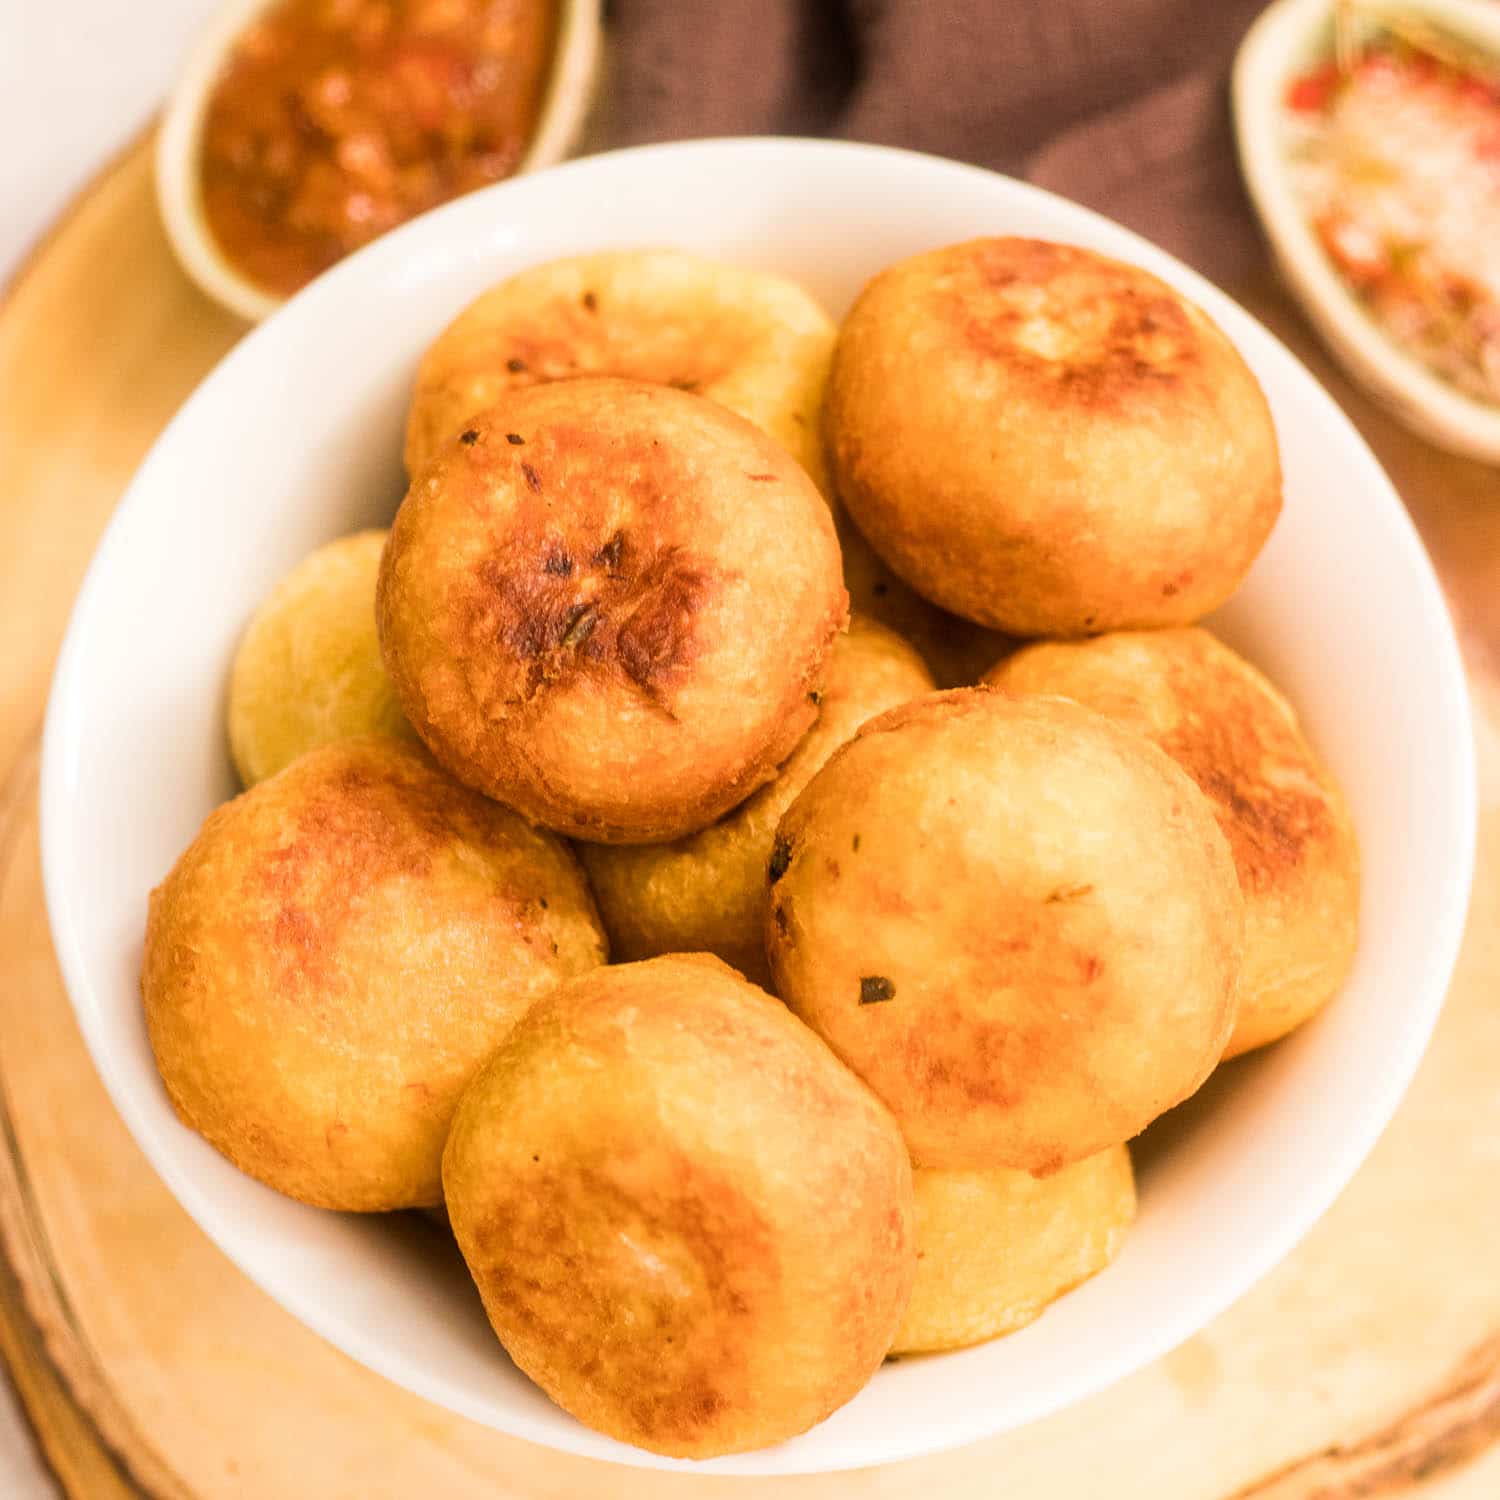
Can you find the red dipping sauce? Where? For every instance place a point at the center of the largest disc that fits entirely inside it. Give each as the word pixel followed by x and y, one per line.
pixel 335 120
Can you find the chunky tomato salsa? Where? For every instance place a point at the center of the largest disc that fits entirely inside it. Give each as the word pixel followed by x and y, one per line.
pixel 335 120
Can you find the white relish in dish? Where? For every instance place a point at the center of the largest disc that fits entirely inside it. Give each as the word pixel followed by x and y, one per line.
pixel 1395 159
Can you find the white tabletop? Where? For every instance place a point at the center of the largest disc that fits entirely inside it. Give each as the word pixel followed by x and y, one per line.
pixel 77 79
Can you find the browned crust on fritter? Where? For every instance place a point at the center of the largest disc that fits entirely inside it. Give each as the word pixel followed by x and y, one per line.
pixel 299 1014
pixel 1288 827
pixel 752 342
pixel 607 604
pixel 983 967
pixel 672 1380
pixel 616 1179
pixel 1131 339
pixel 563 593
pixel 1049 442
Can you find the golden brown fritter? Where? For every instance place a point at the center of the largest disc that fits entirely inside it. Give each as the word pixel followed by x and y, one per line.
pixel 308 669
pixel 689 1223
pixel 1016 921
pixel 1286 821
pixel 750 341
pixel 995 1248
pixel 707 892
pixel 336 953
pixel 609 605
pixel 1049 442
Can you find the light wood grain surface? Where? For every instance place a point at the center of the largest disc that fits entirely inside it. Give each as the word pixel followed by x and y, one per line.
pixel 1368 1363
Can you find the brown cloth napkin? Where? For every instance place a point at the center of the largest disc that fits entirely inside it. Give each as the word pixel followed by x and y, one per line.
pixel 1119 104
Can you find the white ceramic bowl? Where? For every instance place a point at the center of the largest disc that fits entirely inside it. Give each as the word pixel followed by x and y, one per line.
pixel 296 439
pixel 565 104
pixel 1288 38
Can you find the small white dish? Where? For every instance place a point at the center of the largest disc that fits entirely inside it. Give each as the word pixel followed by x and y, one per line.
pixel 178 186
pixel 1288 38
pixel 296 439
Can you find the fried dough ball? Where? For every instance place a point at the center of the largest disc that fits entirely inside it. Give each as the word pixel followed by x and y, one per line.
pixel 337 952
pixel 689 1223
pixel 1016 921
pixel 995 1248
pixel 707 892
pixel 748 340
pixel 308 669
pixel 609 605
pixel 957 652
pixel 1049 442
pixel 1281 810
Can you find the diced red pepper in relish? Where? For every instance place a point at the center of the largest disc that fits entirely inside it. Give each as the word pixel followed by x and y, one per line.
pixel 1397 162
pixel 1311 91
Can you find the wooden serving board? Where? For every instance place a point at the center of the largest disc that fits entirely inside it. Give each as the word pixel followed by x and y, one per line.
pixel 1367 1364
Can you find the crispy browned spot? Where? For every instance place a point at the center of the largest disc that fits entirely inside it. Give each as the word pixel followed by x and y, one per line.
pixel 630 611
pixel 1070 326
pixel 987 1066
pixel 973 1070
pixel 1269 829
pixel 973 1062
pixel 346 835
pixel 366 822
pixel 643 1284
pixel 1270 820
pixel 370 822
pixel 598 586
pixel 1069 893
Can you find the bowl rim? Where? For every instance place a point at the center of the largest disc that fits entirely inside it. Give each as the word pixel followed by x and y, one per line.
pixel 1277 43
pixel 566 101
pixel 1454 805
